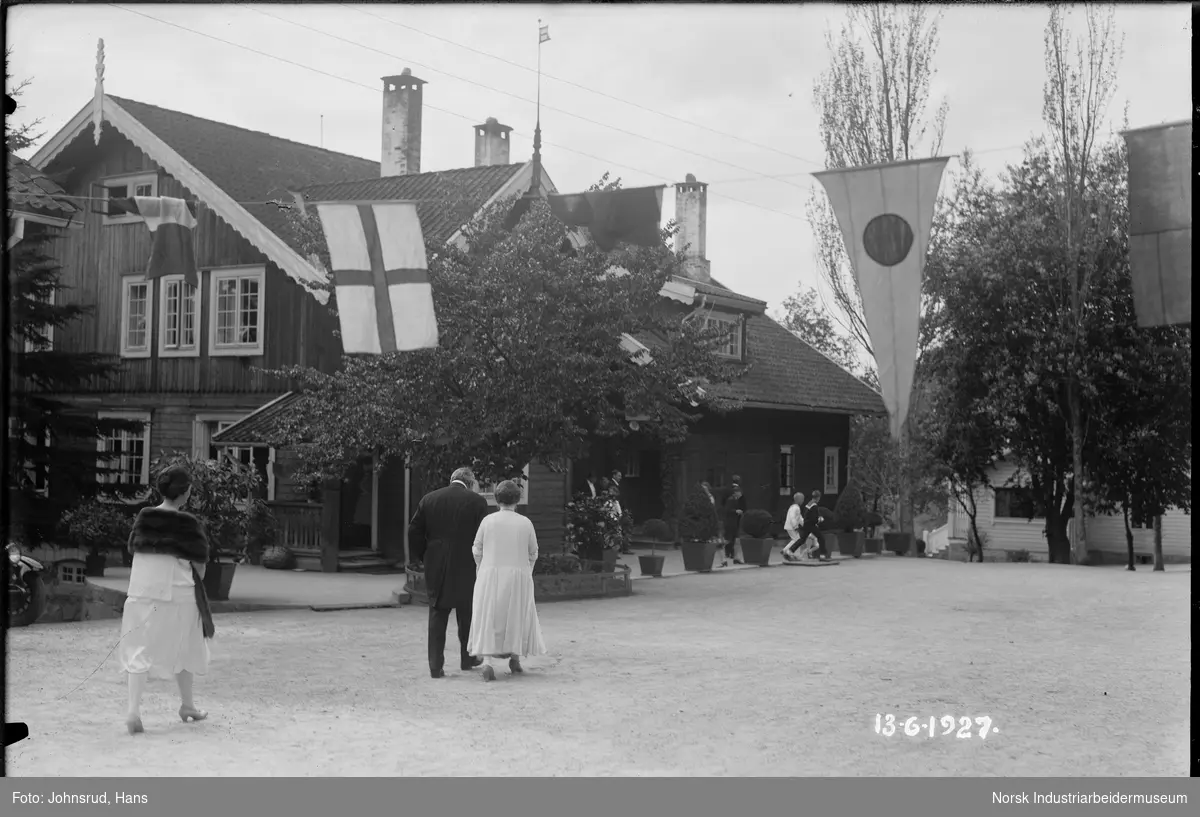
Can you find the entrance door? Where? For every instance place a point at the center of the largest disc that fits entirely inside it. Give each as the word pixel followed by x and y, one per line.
pixel 642 486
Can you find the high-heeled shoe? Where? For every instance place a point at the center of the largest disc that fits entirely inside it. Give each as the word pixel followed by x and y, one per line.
pixel 134 725
pixel 514 665
pixel 489 674
pixel 191 713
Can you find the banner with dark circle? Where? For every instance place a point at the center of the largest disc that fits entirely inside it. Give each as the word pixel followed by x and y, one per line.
pixel 885 213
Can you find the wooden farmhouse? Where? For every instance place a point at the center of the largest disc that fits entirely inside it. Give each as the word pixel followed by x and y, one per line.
pixel 192 356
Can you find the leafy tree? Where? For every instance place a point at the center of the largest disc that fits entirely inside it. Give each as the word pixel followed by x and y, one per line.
pixel 698 521
pixel 849 508
pixel 529 365
pixel 17 137
pixel 49 440
pixel 807 318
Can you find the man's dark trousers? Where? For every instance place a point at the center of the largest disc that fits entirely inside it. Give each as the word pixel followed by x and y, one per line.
pixel 439 621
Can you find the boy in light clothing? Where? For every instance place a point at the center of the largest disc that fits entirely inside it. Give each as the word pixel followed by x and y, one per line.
pixel 792 524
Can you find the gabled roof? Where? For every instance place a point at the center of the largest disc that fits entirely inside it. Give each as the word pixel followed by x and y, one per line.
pixel 478 186
pixel 32 193
pixel 787 373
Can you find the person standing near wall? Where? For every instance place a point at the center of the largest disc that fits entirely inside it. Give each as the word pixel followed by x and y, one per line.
pixel 735 506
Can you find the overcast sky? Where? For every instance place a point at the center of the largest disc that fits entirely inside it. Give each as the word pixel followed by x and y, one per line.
pixel 744 71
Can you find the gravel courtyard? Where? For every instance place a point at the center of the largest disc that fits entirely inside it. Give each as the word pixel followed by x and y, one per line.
pixel 770 672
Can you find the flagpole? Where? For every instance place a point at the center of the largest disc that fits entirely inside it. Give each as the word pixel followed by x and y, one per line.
pixel 535 183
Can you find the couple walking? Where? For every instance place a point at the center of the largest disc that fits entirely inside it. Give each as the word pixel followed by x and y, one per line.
pixel 480 565
pixel 803 524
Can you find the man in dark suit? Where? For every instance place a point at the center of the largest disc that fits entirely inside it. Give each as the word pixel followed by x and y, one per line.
pixel 441 535
pixel 812 527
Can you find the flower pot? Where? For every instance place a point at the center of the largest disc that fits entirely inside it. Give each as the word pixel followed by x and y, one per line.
pixel 898 543
pixel 757 551
pixel 872 545
pixel 698 556
pixel 218 579
pixel 94 564
pixel 278 558
pixel 851 543
pixel 652 565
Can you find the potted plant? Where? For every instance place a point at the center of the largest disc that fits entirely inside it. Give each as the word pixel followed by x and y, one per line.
pixel 656 530
pixel 756 544
pixel 223 497
pixel 592 533
pixel 698 532
pixel 97 527
pixel 850 511
pixel 897 542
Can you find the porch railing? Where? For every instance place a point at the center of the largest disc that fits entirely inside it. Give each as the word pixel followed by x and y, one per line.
pixel 937 540
pixel 299 524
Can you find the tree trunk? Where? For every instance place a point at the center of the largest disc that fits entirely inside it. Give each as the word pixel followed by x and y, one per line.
pixel 1158 557
pixel 1057 541
pixel 1079 554
pixel 1128 537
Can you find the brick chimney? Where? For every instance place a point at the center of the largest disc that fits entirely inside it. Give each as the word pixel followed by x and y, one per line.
pixel 401 125
pixel 691 214
pixel 491 143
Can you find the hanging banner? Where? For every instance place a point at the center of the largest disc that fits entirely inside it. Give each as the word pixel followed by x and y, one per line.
pixel 1160 223
pixel 377 252
pixel 172 222
pixel 886 212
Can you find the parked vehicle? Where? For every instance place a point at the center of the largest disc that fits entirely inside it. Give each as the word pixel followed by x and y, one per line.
pixel 26 588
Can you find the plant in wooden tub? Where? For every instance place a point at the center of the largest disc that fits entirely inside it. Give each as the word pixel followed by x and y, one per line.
pixel 656 530
pixel 593 533
pixel 756 541
pixel 698 531
pixel 97 527
pixel 223 497
pixel 850 512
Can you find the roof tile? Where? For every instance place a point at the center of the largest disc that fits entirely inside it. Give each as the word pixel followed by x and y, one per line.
pixel 31 191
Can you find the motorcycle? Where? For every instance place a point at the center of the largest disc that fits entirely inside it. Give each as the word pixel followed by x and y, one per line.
pixel 26 589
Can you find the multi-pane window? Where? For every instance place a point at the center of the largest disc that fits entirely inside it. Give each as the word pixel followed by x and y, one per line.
pixel 831 472
pixel 257 457
pixel 142 184
pixel 124 454
pixel 786 470
pixel 135 317
pixel 178 318
pixel 72 574
pixel 237 312
pixel 36 475
pixel 732 345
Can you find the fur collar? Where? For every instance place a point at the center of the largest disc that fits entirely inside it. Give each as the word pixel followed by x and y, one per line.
pixel 175 533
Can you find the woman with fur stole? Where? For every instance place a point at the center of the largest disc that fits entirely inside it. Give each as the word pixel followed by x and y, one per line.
pixel 167 622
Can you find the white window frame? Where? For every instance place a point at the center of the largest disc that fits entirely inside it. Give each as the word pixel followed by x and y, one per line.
pixel 47 330
pixel 735 332
pixel 832 463
pixel 127 284
pixel 488 491
pixel 786 456
pixel 70 573
pixel 164 284
pixel 131 181
pixel 103 461
pixel 258 273
pixel 633 465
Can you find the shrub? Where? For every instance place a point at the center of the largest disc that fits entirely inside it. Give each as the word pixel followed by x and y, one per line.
pixel 262 528
pixel 698 522
pixel 557 564
pixel 756 523
pixel 222 497
pixel 97 526
pixel 850 509
pixel 591 528
pixel 657 530
pixel 1021 555
pixel 871 520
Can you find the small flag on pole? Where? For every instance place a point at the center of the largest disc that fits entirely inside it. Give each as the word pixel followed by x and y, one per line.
pixel 886 213
pixel 1160 223
pixel 632 215
pixel 380 274
pixel 171 221
pixel 543 34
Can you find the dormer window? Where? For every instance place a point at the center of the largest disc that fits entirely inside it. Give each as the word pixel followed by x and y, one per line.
pixel 732 347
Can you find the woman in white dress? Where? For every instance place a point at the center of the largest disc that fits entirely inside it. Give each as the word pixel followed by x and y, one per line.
pixel 167 622
pixel 504 620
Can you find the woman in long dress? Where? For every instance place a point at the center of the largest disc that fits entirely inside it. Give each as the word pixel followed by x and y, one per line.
pixel 167 623
pixel 504 620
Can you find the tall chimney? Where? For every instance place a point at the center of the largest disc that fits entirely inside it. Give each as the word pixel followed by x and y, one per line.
pixel 491 143
pixel 401 125
pixel 691 214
